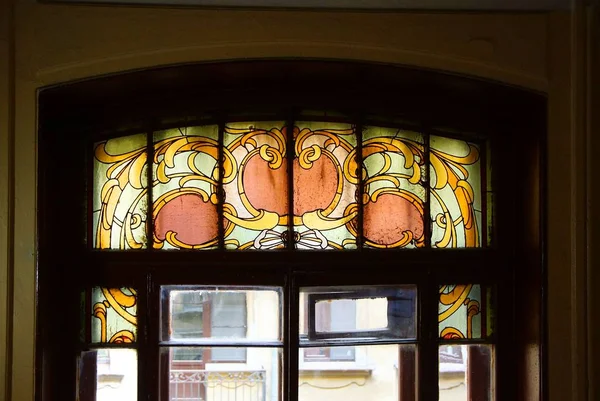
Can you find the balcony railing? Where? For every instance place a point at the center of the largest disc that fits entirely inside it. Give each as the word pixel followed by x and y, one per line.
pixel 208 385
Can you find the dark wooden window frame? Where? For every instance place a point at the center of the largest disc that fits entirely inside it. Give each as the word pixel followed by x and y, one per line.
pixel 73 116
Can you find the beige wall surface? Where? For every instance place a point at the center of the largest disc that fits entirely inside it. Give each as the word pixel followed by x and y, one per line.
pixel 5 127
pixel 60 43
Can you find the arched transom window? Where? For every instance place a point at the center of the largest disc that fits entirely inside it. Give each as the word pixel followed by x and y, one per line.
pixel 256 185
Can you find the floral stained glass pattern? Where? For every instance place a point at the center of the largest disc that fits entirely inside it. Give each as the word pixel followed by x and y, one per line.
pixel 455 196
pixel 120 196
pixel 325 181
pixel 394 192
pixel 184 188
pixel 114 315
pixel 465 312
pixel 255 183
pixel 404 175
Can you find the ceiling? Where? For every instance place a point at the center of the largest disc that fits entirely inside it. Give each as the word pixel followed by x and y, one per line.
pixel 442 5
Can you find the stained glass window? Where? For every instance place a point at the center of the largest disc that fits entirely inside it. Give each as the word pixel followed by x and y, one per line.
pixel 325 181
pixel 184 188
pixel 120 195
pixel 229 186
pixel 114 315
pixel 255 181
pixel 465 312
pixel 456 193
pixel 394 188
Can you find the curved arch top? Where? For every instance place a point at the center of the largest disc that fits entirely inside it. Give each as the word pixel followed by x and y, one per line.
pixel 94 41
pixel 180 92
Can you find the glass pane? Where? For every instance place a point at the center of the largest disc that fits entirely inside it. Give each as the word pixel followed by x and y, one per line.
pixel 184 194
pixel 107 375
pixel 114 315
pixel 255 181
pixel 456 192
pixel 466 372
pixel 375 372
pixel 394 190
pixel 256 378
pixel 465 311
pixel 325 206
pixel 120 196
pixel 337 314
pixel 221 315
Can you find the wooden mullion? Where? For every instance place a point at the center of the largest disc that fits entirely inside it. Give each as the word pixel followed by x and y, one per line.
pixel 144 357
pixel 407 373
pixel 428 363
pixel 484 194
pixel 291 338
pixel 290 154
pixel 149 186
pixel 164 382
pixel 87 380
pixel 88 314
pixel 360 190
pixel 220 189
pixel 427 222
pixel 156 325
pixel 478 374
pixel 90 161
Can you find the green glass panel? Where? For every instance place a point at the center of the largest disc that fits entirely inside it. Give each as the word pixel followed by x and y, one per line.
pixel 114 315
pixel 465 312
pixel 255 181
pixel 184 194
pixel 325 185
pixel 120 198
pixel 456 193
pixel 394 193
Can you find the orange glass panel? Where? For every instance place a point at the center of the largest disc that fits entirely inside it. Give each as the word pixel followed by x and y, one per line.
pixel 184 195
pixel 325 181
pixel 394 191
pixel 255 181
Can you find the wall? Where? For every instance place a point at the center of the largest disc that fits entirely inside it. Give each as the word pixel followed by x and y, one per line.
pixel 6 80
pixel 593 147
pixel 56 43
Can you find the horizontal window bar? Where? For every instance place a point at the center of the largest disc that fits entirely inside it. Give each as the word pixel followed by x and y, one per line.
pixel 467 341
pixel 89 346
pixel 353 342
pixel 217 343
